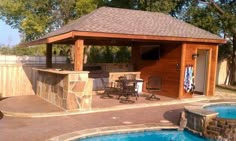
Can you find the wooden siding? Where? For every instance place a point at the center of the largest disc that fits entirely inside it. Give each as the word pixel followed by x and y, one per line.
pixel 17 80
pixel 191 48
pixel 173 78
pixel 165 67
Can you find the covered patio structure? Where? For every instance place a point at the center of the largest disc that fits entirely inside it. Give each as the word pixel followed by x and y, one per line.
pixel 161 46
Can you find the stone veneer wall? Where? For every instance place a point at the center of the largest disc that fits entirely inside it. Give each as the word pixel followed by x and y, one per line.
pixel 210 126
pixel 68 91
pixel 219 128
pixel 195 123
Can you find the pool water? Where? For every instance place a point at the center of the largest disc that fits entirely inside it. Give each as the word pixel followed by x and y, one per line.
pixel 148 136
pixel 225 111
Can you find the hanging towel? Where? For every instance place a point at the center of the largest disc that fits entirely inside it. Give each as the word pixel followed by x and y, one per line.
pixel 186 79
pixel 189 79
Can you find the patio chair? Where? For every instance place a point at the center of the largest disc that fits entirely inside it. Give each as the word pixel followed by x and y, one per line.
pixel 133 87
pixel 108 88
pixel 153 85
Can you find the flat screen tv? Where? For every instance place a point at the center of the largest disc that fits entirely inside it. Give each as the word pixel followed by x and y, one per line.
pixel 150 53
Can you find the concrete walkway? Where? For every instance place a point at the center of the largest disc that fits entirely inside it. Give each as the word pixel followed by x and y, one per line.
pixel 40 129
pixel 27 104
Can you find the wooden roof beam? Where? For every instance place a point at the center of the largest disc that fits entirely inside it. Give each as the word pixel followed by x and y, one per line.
pixel 146 37
pixel 98 35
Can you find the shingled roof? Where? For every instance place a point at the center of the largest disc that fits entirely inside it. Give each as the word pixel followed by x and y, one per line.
pixel 134 22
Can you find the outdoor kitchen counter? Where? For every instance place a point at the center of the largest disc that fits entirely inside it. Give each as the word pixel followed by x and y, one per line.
pixel 60 71
pixel 69 90
pixel 113 76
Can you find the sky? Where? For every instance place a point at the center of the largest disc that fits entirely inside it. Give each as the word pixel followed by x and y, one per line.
pixel 8 36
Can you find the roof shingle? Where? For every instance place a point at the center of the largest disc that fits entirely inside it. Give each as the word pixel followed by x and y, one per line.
pixel 124 21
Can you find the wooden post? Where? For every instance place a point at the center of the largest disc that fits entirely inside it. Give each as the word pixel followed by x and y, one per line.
pixel 49 56
pixel 182 70
pixel 214 68
pixel 79 55
pixel 135 57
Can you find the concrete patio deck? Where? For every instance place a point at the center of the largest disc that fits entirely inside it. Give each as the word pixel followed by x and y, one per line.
pixel 28 104
pixel 34 106
pixel 100 102
pixel 39 129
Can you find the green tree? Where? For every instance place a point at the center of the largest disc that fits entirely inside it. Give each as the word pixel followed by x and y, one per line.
pixel 5 50
pixel 107 55
pixel 164 6
pixel 36 51
pixel 95 55
pixel 123 54
pixel 128 4
pixel 35 18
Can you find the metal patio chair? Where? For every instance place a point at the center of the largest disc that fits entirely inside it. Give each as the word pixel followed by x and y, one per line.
pixel 153 85
pixel 132 85
pixel 108 88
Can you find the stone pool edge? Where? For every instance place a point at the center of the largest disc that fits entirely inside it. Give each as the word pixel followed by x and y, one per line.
pixel 113 129
pixel 196 108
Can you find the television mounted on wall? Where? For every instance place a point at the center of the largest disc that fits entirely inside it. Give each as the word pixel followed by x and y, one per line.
pixel 150 52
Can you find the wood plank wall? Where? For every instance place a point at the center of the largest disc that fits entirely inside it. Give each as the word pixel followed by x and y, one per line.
pixel 191 48
pixel 165 68
pixel 173 78
pixel 17 80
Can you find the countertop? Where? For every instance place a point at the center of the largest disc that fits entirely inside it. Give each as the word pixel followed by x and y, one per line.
pixel 60 71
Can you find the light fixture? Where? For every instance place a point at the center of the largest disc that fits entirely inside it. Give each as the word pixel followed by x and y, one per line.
pixel 195 55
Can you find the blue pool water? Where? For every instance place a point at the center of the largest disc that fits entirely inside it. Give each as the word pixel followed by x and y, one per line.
pixel 225 111
pixel 149 136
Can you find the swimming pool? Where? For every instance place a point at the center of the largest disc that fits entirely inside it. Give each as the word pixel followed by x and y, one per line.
pixel 225 110
pixel 148 136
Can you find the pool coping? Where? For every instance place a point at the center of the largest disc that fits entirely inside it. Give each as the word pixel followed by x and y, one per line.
pixel 199 109
pixel 114 129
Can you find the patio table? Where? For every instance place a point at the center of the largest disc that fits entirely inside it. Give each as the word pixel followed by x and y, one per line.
pixel 128 87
